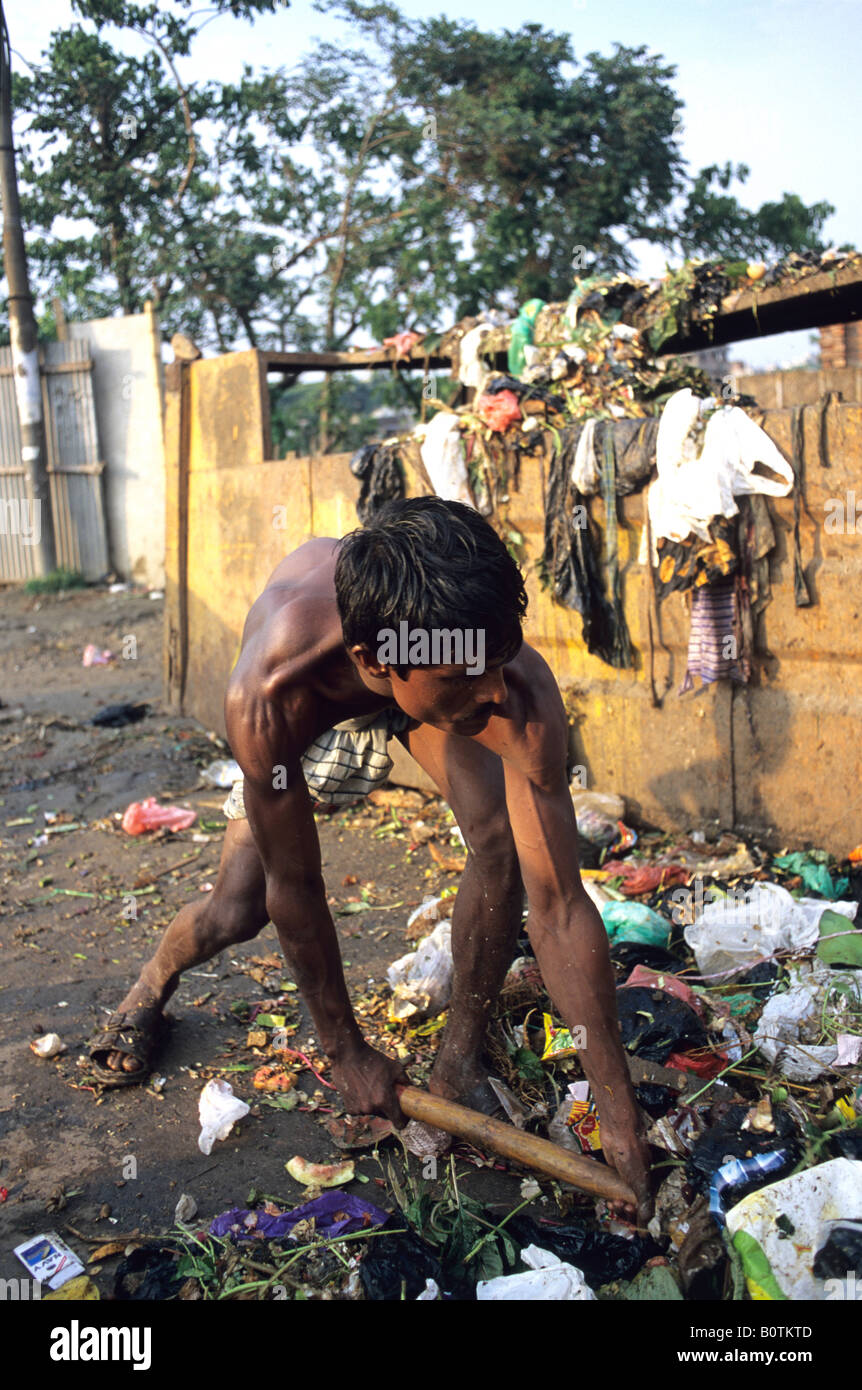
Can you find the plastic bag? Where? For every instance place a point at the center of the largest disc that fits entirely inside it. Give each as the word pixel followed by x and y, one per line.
pixel 635 922
pixel 600 1255
pixel 148 815
pixel 743 928
pixel 654 1024
pixel 597 814
pixel 499 410
pixel 841 1251
pixel 426 916
pixel 790 1023
pixel 95 656
pixel 522 333
pixel 662 979
pixel 726 1140
pixel 778 1229
pixel 398 1266
pixel 442 451
pixel 222 773
pixel 548 1279
pixel 218 1109
pixel 422 980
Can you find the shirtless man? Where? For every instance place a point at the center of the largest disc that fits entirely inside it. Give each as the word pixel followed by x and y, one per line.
pixel 492 735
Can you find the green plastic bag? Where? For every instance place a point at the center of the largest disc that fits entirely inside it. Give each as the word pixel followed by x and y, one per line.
pixel 635 922
pixel 522 333
pixel 813 872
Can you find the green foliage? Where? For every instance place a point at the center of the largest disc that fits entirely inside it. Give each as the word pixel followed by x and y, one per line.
pixel 714 223
pixel 414 172
pixel 55 582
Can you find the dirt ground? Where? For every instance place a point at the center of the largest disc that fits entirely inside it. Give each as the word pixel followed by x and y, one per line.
pixel 70 947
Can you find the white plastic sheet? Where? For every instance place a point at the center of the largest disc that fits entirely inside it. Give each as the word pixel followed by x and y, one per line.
pixel 548 1279
pixel 741 929
pixel 694 485
pixel 811 1201
pixel 218 1109
pixel 422 980
pixel 791 1021
pixel 442 453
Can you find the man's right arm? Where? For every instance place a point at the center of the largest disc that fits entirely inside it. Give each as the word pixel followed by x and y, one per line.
pixel 281 818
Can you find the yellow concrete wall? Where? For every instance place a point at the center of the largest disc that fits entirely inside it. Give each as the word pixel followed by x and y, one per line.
pixel 778 760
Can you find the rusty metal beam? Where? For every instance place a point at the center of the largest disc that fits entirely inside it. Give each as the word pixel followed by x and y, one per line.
pixel 813 302
pixel 360 359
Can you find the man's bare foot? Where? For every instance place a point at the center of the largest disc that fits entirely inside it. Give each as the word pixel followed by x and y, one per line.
pixel 464 1081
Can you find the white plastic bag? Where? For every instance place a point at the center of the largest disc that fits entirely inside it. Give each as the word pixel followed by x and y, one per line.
pixel 694 486
pixel 422 981
pixel 597 814
pixel 810 1201
pixel 791 1021
pixel 222 773
pixel 218 1109
pixel 736 931
pixel 442 453
pixel 549 1279
pixel 473 371
pixel 429 912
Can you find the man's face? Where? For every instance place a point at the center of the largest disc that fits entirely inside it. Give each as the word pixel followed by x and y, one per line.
pixel 449 698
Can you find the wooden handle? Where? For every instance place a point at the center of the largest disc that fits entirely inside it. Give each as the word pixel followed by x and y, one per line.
pixel 527 1149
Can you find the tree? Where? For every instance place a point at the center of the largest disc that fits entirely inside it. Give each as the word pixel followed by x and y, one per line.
pixel 421 171
pixel 712 222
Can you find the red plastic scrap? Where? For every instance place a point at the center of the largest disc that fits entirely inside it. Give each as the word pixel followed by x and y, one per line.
pixel 638 879
pixel 661 979
pixel 148 815
pixel 403 342
pixel 704 1064
pixel 499 411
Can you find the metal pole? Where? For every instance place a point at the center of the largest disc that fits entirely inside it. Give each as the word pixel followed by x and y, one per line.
pixel 22 333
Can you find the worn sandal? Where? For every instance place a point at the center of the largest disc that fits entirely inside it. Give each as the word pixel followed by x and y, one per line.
pixel 121 1035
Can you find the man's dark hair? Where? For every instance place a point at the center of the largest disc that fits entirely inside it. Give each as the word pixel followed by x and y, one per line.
pixel 432 564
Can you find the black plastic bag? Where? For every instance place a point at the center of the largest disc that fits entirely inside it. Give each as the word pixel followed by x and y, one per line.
pixel 654 1099
pixel 149 1274
pixel 628 954
pixel 842 1253
pixel 600 1255
pixel 117 716
pixel 397 1267
pixel 655 1024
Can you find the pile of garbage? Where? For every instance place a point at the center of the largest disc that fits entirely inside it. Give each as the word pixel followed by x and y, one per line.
pixel 739 978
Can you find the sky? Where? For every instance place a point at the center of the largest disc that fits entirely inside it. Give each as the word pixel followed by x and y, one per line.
pixel 769 83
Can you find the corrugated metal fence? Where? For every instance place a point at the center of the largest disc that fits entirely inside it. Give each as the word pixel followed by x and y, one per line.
pixel 74 467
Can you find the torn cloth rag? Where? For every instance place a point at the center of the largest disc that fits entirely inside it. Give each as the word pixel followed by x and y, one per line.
pixel 713 643
pixel 343 764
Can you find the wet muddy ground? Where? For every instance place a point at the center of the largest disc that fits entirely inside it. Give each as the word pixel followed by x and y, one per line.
pixel 70 947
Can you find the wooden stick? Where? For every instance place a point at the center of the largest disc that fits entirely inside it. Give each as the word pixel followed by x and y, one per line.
pixel 527 1149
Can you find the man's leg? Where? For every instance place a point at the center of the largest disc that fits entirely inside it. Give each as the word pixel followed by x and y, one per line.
pixel 234 911
pixel 488 908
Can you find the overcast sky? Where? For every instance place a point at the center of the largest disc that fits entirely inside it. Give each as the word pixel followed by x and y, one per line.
pixel 769 83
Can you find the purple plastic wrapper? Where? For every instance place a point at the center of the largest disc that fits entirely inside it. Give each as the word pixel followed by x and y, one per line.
pixel 242 1224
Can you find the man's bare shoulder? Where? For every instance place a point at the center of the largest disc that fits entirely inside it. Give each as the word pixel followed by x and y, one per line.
pixel 531 730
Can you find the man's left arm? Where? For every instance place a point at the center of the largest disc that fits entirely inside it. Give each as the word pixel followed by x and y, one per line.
pixel 570 941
